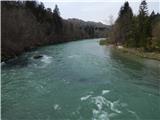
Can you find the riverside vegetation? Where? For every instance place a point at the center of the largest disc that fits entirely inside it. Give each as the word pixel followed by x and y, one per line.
pixel 28 24
pixel 138 34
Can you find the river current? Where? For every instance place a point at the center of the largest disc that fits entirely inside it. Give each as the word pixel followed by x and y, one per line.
pixel 80 81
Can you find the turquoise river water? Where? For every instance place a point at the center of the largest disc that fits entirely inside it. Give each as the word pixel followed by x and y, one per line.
pixel 80 81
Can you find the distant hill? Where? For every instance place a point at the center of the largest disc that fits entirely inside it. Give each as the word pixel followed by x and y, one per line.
pixel 100 29
pixel 82 22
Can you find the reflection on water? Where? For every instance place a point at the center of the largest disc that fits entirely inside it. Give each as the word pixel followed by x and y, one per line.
pixel 80 81
pixel 17 62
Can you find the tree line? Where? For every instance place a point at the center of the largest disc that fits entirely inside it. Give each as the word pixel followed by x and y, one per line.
pixel 137 31
pixel 28 24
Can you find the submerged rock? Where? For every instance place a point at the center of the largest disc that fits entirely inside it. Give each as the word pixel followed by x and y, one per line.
pixel 37 56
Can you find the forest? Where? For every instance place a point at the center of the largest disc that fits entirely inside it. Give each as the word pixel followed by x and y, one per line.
pixel 137 31
pixel 28 24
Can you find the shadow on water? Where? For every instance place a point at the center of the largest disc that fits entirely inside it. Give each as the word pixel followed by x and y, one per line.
pixel 19 62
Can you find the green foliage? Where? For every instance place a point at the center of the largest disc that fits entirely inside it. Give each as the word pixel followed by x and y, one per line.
pixel 156 36
pixel 102 42
pixel 105 42
pixel 89 30
pixel 56 11
pixel 136 31
pixel 57 20
pixel 144 25
pixel 124 23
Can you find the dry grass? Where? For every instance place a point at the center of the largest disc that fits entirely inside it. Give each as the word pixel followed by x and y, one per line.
pixel 141 53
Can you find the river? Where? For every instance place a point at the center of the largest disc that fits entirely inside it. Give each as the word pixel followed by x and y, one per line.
pixel 80 81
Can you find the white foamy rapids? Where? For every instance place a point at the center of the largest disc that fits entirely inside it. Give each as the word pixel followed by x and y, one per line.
pixel 101 101
pixel 85 97
pixel 100 115
pixel 113 106
pixel 56 107
pixel 105 91
pixel 46 59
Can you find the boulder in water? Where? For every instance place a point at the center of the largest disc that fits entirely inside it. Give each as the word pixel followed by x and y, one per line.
pixel 37 56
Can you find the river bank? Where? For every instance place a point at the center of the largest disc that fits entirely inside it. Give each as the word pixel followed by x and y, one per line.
pixel 138 52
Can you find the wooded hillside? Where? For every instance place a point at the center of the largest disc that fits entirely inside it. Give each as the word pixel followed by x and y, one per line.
pixel 28 24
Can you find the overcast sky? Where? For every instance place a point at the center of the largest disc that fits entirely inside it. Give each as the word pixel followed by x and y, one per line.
pixel 96 10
